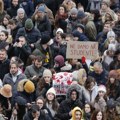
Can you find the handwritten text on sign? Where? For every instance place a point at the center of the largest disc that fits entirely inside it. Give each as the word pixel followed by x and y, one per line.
pixel 77 49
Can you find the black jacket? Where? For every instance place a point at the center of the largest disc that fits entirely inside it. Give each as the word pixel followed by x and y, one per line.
pixel 32 36
pixel 4 68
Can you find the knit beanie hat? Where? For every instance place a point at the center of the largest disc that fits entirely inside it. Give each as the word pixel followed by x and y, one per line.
pixel 41 8
pixel 29 87
pixel 102 88
pixel 76 33
pixel 45 39
pixel 59 30
pixel 107 2
pixel 81 15
pixel 111 103
pixel 47 72
pixel 60 60
pixel 73 11
pixel 111 34
pixel 29 24
pixel 51 90
pixel 20 10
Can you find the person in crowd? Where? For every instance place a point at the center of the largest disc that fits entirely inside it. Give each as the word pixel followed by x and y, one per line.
pixel 77 114
pixel 41 21
pixel 79 34
pixel 87 111
pixel 12 10
pixel 21 17
pixel 20 49
pixel 44 84
pixel 65 109
pixel 4 63
pixel 111 111
pixel 31 33
pixel 59 62
pixel 43 49
pixel 48 11
pixel 98 115
pixel 4 40
pixel 40 102
pixel 101 99
pixel 19 108
pixel 35 71
pixel 5 100
pixel 34 114
pixel 113 85
pixel 13 77
pixel 91 90
pixel 13 26
pixel 87 21
pixel 99 73
pixel 60 18
pixel 72 20
pixel 69 4
pixel 6 21
pixel 51 102
pixel 115 64
pixel 118 108
pixel 2 11
pixel 108 56
pixel 26 90
pixel 28 6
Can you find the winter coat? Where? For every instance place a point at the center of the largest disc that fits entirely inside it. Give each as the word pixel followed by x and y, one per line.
pixel 4 68
pixel 44 26
pixel 90 29
pixel 28 116
pixel 67 105
pixel 100 78
pixel 23 52
pixel 8 79
pixel 40 51
pixel 90 97
pixel 28 6
pixel 12 11
pixel 32 36
pixel 31 71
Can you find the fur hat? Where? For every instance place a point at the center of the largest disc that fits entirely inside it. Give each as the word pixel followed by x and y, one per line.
pixel 45 39
pixel 60 60
pixel 102 88
pixel 29 24
pixel 59 30
pixel 51 90
pixel 6 91
pixel 29 87
pixel 107 2
pixel 73 11
pixel 81 15
pixel 41 8
pixel 111 33
pixel 47 72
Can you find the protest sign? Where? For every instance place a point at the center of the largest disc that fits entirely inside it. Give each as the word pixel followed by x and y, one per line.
pixel 61 82
pixel 77 49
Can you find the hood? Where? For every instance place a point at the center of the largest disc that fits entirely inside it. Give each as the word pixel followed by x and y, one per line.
pixel 75 87
pixel 21 84
pixel 73 113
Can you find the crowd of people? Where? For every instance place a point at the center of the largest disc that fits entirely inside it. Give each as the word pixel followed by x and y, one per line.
pixel 33 44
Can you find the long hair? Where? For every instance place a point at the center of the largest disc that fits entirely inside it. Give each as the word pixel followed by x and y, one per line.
pixel 94 115
pixel 55 103
pixel 1 6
